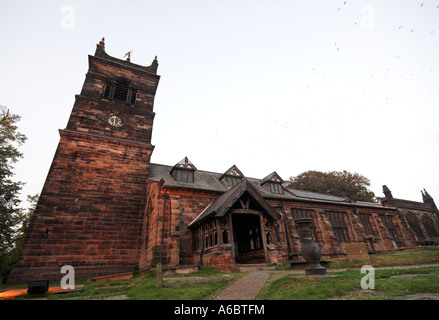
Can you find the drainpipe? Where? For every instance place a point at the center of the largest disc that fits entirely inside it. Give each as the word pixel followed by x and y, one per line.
pixel 164 196
pixel 201 244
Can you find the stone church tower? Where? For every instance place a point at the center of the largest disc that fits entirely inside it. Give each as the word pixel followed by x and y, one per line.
pixel 90 211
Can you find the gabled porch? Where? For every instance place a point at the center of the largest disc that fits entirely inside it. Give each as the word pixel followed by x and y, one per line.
pixel 236 228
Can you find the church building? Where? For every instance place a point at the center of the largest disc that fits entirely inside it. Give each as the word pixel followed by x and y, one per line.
pixel 106 209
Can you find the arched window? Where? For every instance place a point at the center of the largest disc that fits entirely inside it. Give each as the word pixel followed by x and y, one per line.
pixel 429 227
pixel 269 239
pixel 414 225
pixel 393 229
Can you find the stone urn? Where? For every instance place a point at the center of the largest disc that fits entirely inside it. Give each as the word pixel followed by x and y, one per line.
pixel 310 251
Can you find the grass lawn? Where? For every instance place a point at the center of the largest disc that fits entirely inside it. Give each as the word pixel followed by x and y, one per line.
pixel 143 287
pixel 208 282
pixel 416 256
pixel 346 285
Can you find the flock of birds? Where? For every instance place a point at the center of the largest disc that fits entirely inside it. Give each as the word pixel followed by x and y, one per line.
pixel 400 27
pixel 422 4
pixel 383 75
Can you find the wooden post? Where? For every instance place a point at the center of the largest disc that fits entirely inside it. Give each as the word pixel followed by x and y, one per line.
pixel 159 275
pixel 201 244
pixel 232 240
pixel 219 231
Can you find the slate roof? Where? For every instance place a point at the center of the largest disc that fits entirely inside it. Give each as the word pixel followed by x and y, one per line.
pixel 314 195
pixel 220 206
pixel 210 181
pixel 203 180
pixel 408 204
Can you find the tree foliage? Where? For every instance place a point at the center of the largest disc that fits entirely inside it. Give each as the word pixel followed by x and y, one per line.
pixel 11 215
pixel 338 183
pixel 8 260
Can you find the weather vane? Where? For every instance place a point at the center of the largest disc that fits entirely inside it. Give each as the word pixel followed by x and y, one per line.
pixel 128 54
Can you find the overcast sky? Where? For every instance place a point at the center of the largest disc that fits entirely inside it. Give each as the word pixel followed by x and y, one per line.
pixel 285 86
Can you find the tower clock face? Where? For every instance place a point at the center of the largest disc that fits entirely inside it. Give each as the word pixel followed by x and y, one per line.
pixel 115 121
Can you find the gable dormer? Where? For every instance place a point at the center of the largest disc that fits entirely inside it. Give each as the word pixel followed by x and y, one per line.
pixel 183 171
pixel 231 177
pixel 273 183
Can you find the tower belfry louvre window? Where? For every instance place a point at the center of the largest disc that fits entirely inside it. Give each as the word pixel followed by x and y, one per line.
pixel 107 90
pixel 120 91
pixel 133 96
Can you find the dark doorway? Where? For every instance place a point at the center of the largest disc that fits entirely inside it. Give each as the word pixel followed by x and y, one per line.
pixel 247 235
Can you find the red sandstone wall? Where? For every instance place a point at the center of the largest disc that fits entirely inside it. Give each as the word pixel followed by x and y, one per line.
pixel 327 240
pixel 170 211
pixel 219 257
pixel 90 211
pixel 183 206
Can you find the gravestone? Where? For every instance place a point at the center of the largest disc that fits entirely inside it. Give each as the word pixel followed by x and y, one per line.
pixel 37 287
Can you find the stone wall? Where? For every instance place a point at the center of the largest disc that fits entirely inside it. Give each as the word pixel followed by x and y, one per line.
pixel 357 251
pixel 219 257
pixel 184 205
pixel 164 227
pixel 90 209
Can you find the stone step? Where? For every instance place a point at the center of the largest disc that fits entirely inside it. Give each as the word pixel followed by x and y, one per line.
pixel 250 267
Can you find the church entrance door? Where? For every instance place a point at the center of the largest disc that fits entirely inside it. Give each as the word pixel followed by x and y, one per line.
pixel 247 235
